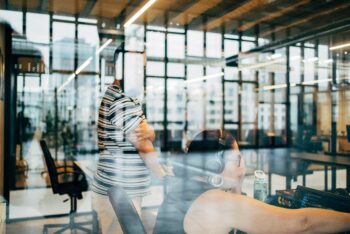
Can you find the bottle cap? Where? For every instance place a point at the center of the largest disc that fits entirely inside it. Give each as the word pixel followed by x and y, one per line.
pixel 259 174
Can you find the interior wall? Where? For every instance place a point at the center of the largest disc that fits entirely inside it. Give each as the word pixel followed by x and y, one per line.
pixel 2 114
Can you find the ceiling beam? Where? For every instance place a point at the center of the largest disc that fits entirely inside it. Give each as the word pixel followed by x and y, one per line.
pixel 44 6
pixel 193 11
pixel 306 20
pixel 272 15
pixel 89 5
pixel 108 8
pixel 338 26
pixel 242 9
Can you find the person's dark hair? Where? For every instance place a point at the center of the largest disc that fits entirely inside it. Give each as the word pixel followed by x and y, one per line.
pixel 204 154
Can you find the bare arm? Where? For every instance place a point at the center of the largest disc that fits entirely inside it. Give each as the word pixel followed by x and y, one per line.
pixel 252 216
pixel 145 131
pixel 142 138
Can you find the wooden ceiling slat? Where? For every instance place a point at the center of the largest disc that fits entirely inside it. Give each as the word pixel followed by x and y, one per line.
pixel 186 16
pixel 244 8
pixel 29 5
pixel 306 19
pixel 272 15
pixel 67 6
pixel 85 12
pixel 108 8
pixel 161 6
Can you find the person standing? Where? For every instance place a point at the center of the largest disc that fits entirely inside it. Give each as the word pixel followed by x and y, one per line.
pixel 127 155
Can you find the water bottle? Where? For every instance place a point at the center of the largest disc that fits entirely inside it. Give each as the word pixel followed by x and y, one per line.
pixel 260 185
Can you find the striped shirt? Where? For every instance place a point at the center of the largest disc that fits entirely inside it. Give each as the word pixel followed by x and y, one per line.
pixel 119 162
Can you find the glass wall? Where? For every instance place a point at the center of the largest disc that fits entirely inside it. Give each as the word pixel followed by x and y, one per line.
pixel 181 77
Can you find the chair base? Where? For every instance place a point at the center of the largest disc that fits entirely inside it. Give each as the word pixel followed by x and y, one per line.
pixel 74 225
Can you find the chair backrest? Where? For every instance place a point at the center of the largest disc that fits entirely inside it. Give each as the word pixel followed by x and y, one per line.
pixel 51 166
pixel 125 211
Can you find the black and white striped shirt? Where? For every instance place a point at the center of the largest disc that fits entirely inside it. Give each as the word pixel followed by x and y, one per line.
pixel 119 162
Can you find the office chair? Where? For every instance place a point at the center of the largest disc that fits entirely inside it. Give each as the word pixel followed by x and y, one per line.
pixel 71 182
pixel 125 211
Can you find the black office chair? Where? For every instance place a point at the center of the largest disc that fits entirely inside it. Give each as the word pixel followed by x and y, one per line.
pixel 125 211
pixel 68 180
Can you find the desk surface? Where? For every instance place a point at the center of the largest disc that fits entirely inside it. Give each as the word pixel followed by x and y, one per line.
pixel 323 159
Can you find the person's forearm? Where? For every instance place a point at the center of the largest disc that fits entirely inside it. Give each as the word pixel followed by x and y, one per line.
pixel 253 216
pixel 149 155
pixel 323 221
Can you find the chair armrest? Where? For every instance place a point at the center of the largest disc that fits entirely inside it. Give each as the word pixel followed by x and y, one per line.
pixel 73 166
pixel 77 175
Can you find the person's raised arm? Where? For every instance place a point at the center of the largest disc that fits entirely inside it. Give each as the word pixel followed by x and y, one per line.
pixel 127 117
pixel 142 138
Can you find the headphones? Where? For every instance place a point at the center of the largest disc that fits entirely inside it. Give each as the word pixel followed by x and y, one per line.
pixel 204 157
pixel 216 162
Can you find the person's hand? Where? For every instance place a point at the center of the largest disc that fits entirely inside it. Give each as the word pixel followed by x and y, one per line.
pixel 234 172
pixel 144 132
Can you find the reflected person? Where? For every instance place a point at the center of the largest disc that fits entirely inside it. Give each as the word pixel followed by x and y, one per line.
pixel 198 202
pixel 126 150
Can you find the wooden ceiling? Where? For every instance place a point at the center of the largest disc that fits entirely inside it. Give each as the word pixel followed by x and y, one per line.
pixel 269 17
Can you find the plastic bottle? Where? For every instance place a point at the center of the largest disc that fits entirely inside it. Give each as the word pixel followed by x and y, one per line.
pixel 260 185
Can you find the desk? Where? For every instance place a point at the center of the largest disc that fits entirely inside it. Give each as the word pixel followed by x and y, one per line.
pixel 334 161
pixel 278 161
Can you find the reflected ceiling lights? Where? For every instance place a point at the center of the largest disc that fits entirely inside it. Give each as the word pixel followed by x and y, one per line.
pixel 139 13
pixel 205 78
pixel 339 46
pixel 83 66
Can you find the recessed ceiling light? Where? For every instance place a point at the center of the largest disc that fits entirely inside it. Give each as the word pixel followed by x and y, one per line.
pixel 139 12
pixel 339 46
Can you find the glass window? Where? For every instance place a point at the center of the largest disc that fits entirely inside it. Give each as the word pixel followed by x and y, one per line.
pixel 213 71
pixel 248 134
pixel 213 103
pixel 231 101
pixel 134 37
pixel 176 46
pixel 176 69
pixel 38 28
pixel 195 107
pixel 88 41
pixel 231 48
pixel 194 71
pixel 176 101
pixel 133 74
pixel 63 46
pixel 195 43
pixel 246 46
pixel 324 68
pixel 309 64
pixel 248 74
pixel 264 116
pixel 295 64
pixel 155 100
pixel 213 44
pixel 231 73
pixel 155 44
pixel 14 18
pixel 155 68
pixel 248 105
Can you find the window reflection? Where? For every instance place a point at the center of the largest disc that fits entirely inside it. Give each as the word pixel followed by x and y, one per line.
pixel 63 46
